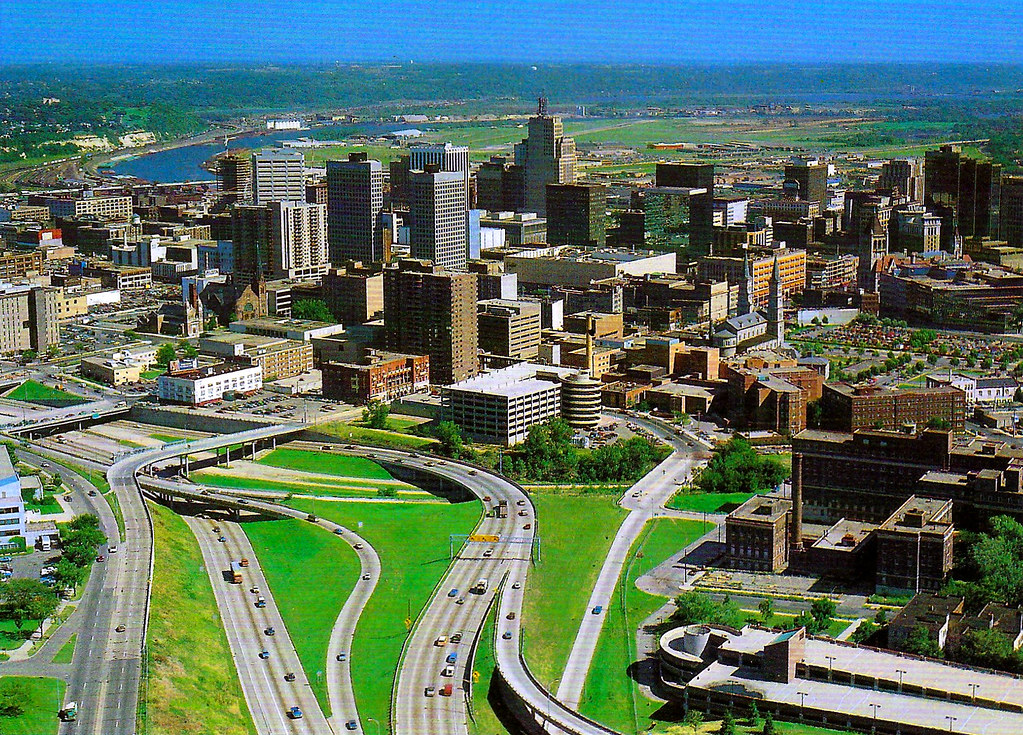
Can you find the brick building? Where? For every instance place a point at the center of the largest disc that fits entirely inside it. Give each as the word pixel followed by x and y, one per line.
pixel 378 376
pixel 757 534
pixel 914 546
pixel 846 407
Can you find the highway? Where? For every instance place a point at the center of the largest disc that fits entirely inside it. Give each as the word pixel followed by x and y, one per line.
pixel 643 501
pixel 267 693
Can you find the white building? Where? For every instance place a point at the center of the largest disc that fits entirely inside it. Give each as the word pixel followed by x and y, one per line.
pixel 499 407
pixel 12 506
pixel 199 386
pixel 983 391
pixel 278 175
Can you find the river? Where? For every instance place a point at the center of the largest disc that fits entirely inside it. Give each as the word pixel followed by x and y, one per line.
pixel 185 163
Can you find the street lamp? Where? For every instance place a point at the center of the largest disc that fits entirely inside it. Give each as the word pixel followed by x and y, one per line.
pixel 900 672
pixel 951 721
pixel 973 688
pixel 831 660
pixel 802 698
pixel 875 707
pixel 375 722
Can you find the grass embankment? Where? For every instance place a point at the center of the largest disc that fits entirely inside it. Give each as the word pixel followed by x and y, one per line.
pixel 291 554
pixel 32 391
pixel 693 499
pixel 166 438
pixel 610 696
pixel 67 651
pixel 325 463
pixel 412 541
pixel 485 720
pixel 782 728
pixel 347 489
pixel 374 437
pixel 193 683
pixel 40 700
pixel 576 532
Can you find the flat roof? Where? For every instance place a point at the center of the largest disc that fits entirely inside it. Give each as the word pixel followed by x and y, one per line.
pixel 762 508
pixel 928 508
pixel 846 535
pixel 513 381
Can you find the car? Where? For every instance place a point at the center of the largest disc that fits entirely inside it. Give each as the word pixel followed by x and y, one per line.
pixel 242 501
pixel 507 635
pixel 520 502
pixel 523 513
pixel 111 549
pixel 456 638
pixel 222 539
pixel 448 670
pixel 472 472
pixel 486 498
pixel 488 553
pixel 216 529
pixel 338 531
pixel 341 656
pixel 429 691
pixel 357 546
pixel 527 526
pixel 452 592
pixel 351 725
pixel 365 576
pixel 101 558
pixel 597 609
pixel 295 713
pixel 326 447
pixel 254 590
pixel 442 640
pixel 261 603
pixel 460 601
pixel 264 654
pixel 511 615
pixel 120 628
pixel 269 631
pixel 290 676
pixel 93 493
pixel 5 560
pixel 516 585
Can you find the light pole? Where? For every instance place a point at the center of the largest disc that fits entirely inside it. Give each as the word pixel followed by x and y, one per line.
pixel 831 660
pixel 875 707
pixel 973 688
pixel 802 699
pixel 900 672
pixel 375 722
pixel 951 721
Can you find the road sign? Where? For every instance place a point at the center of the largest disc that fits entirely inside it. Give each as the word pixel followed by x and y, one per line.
pixel 482 538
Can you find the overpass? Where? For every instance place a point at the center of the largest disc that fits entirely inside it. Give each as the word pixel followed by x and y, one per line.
pixel 70 421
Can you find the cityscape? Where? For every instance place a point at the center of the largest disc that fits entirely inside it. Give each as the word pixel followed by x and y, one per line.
pixel 421 390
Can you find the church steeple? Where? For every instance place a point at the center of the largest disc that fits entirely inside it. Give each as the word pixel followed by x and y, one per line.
pixel 745 287
pixel 776 306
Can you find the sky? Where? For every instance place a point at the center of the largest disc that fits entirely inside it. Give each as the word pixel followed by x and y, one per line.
pixel 520 31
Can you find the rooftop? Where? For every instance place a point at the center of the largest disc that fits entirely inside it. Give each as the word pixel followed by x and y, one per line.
pixel 516 380
pixel 846 535
pixel 762 508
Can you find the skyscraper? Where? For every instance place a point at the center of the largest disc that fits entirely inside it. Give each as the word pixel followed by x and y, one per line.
pixel 431 311
pixel 575 214
pixel 904 175
pixel 355 199
pixel 439 229
pixel 964 192
pixel 298 240
pixel 250 238
pixel 278 174
pixel 446 156
pixel 547 157
pixel 234 177
pixel 1011 210
pixel 701 205
pixel 809 180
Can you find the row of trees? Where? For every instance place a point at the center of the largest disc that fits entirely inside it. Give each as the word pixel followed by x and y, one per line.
pixel 736 467
pixel 167 352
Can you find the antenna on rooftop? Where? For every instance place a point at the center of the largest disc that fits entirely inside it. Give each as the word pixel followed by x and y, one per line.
pixel 541 105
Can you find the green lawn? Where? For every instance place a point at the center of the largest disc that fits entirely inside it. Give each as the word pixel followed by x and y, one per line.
pixel 166 438
pixel 707 502
pixel 576 532
pixel 193 684
pixel 374 437
pixel 292 550
pixel 609 696
pixel 412 541
pixel 784 620
pixel 782 728
pixel 40 699
pixel 486 720
pixel 115 508
pixel 11 637
pixel 151 374
pixel 67 651
pixel 326 463
pixel 341 488
pixel 48 504
pixel 32 391
pixel 400 424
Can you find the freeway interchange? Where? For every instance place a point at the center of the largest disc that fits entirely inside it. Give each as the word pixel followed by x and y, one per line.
pixel 499 551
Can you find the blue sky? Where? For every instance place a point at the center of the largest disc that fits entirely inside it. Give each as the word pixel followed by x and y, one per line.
pixel 529 31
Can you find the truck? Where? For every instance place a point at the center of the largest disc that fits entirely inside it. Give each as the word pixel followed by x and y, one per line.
pixel 481 586
pixel 502 509
pixel 236 572
pixel 69 713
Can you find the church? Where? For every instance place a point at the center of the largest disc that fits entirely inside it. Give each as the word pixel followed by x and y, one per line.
pixel 753 328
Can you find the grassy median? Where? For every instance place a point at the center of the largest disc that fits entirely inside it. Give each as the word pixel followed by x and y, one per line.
pixel 326 463
pixel 311 573
pixel 610 696
pixel 412 541
pixel 575 533
pixel 193 684
pixel 67 651
pixel 39 700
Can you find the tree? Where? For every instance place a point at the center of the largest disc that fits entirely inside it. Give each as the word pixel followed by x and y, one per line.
pixel 165 354
pixel 450 437
pixel 26 599
pixel 754 713
pixel 937 422
pixel 727 724
pixel 188 350
pixel 28 355
pixel 920 642
pixel 212 324
pixel 374 415
pixel 769 728
pixel 822 609
pixel 736 467
pixel 314 309
pixel 68 575
pixel 766 608
pixel 693 720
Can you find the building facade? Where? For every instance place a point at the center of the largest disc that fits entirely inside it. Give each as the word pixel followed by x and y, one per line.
pixel 355 200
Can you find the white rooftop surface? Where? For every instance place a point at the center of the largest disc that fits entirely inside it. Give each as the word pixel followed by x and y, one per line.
pixel 514 381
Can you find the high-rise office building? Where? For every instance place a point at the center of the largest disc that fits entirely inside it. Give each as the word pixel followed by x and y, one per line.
pixel 30 318
pixel 278 174
pixel 445 156
pixel 234 177
pixel 906 176
pixel 808 180
pixel 355 200
pixel 432 311
pixel 298 240
pixel 439 229
pixel 701 205
pixel 250 238
pixel 398 194
pixel 575 214
pixel 500 186
pixel 509 328
pixel 547 157
pixel 964 192
pixel 1011 210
